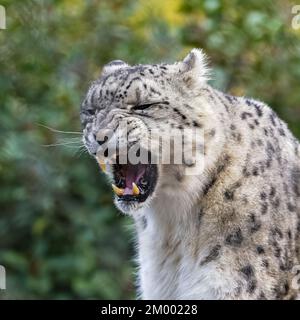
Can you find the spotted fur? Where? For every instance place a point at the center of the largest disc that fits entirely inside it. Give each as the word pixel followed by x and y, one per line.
pixel 231 232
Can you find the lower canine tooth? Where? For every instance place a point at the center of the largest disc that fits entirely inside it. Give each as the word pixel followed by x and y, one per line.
pixel 117 191
pixel 135 189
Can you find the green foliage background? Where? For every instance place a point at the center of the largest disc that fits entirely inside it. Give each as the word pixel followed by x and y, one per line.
pixel 60 236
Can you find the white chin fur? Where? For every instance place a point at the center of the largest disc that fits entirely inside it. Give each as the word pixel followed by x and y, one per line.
pixel 132 207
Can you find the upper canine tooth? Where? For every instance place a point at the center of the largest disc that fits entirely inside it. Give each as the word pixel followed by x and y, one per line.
pixel 135 189
pixel 113 157
pixel 118 191
pixel 103 166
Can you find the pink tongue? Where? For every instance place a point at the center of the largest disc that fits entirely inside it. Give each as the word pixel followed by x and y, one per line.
pixel 127 191
pixel 133 174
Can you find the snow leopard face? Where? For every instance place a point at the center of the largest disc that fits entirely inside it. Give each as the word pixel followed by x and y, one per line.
pixel 130 107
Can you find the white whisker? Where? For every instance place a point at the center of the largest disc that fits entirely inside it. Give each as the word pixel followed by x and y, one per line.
pixel 72 140
pixel 61 144
pixel 82 150
pixel 59 131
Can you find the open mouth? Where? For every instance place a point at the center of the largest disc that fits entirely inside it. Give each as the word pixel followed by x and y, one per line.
pixel 134 182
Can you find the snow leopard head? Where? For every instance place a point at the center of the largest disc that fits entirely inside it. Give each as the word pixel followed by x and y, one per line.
pixel 130 108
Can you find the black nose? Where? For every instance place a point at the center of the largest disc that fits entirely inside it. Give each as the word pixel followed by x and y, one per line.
pixel 101 141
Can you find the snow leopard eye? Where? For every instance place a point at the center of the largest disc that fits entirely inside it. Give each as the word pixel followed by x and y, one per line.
pixel 147 105
pixel 144 106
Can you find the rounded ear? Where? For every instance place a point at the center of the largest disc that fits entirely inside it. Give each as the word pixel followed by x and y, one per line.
pixel 113 66
pixel 194 67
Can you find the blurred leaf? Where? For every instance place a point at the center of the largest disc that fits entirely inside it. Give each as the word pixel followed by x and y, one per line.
pixel 60 235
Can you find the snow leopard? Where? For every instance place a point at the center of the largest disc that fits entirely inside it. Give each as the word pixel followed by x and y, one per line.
pixel 229 231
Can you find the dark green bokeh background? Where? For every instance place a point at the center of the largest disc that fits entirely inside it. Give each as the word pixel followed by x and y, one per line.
pixel 60 236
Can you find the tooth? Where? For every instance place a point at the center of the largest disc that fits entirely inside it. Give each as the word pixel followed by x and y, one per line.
pixel 118 191
pixel 135 189
pixel 103 166
pixel 113 157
